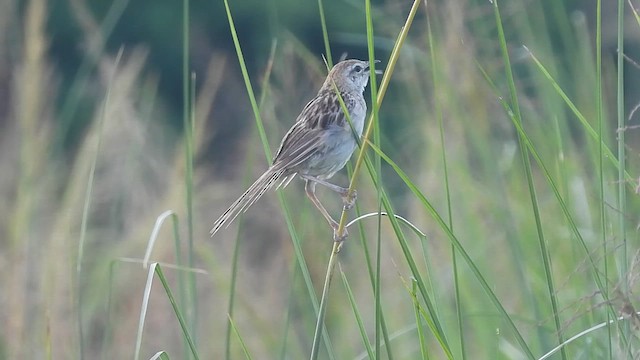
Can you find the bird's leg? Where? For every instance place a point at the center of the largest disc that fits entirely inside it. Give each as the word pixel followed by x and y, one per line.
pixel 348 197
pixel 310 189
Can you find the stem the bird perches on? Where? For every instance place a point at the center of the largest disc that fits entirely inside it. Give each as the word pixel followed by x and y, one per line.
pixel 393 59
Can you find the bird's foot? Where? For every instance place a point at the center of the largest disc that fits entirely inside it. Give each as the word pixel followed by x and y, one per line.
pixel 340 237
pixel 349 199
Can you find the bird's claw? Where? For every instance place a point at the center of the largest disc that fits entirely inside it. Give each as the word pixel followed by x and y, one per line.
pixel 349 199
pixel 340 237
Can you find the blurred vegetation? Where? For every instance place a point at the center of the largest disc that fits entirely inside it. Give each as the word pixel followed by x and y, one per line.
pixel 95 145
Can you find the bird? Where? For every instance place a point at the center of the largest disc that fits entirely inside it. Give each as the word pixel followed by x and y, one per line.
pixel 318 145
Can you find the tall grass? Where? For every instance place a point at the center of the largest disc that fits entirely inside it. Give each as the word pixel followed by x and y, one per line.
pixel 498 146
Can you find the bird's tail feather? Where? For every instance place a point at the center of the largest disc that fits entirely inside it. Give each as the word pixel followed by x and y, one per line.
pixel 253 193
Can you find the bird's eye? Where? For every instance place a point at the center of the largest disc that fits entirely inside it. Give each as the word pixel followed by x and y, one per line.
pixel 357 68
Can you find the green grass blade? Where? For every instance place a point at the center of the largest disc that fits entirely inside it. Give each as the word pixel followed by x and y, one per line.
pixel 583 120
pixel 416 307
pixel 454 240
pixel 183 324
pixel 599 15
pixel 563 206
pixel 143 311
pixel 265 143
pixel 145 301
pixel 360 159
pixel 232 285
pixel 155 269
pixel 315 348
pixel 583 333
pixel 183 292
pixel 623 258
pixel 601 203
pixel 247 82
pixel 236 248
pixel 433 318
pixel 297 247
pixel 386 77
pixel 86 206
pixel 433 321
pixel 517 118
pixel 372 277
pixel 356 314
pixel 106 339
pixel 247 355
pixel 420 312
pixel 374 120
pixel 189 124
pixel 325 34
pixel 438 112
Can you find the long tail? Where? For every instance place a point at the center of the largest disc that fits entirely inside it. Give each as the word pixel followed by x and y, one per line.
pixel 254 192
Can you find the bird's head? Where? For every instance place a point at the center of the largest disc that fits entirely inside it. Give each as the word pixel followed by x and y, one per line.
pixel 349 75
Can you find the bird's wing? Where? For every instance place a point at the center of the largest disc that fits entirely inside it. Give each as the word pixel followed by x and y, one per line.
pixel 305 138
pixel 299 144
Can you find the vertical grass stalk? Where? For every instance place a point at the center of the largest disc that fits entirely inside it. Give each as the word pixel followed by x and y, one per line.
pixel 517 117
pixel 232 285
pixel 374 121
pixel 265 143
pixel 242 343
pixel 438 111
pixel 87 204
pixel 188 115
pixel 360 159
pixel 454 240
pixel 236 248
pixel 183 324
pixel 372 278
pixel 325 34
pixel 601 203
pixel 356 314
pixel 416 307
pixel 622 207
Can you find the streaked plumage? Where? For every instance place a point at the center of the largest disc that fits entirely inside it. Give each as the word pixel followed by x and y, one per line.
pixel 318 145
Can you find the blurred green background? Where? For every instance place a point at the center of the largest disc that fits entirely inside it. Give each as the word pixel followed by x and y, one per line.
pixel 93 149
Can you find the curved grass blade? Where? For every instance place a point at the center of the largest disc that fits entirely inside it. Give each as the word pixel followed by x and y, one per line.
pixel 415 229
pixel 160 355
pixel 583 333
pixel 155 269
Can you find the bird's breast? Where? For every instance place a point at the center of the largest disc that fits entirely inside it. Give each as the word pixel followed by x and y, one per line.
pixel 357 112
